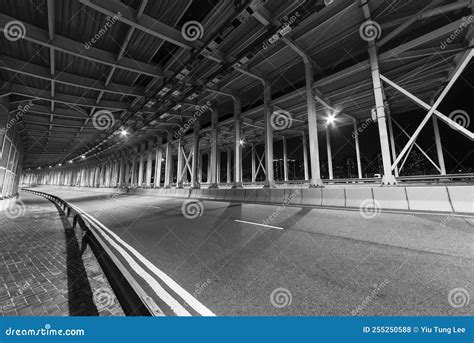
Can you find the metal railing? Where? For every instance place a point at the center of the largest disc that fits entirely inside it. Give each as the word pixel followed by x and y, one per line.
pixel 129 293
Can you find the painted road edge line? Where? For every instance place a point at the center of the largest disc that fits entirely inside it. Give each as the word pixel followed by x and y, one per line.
pixel 258 224
pixel 185 295
pixel 174 305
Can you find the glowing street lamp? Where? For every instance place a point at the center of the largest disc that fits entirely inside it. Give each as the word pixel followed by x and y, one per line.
pixel 330 119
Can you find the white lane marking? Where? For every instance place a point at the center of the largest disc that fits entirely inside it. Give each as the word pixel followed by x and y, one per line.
pixel 175 306
pixel 187 297
pixel 270 226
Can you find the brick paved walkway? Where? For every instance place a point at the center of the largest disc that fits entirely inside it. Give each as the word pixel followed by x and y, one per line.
pixel 41 269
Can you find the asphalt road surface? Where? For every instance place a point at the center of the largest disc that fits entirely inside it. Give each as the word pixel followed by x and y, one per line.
pixel 252 259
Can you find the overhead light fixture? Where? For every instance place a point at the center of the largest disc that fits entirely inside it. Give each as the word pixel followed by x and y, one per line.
pixel 150 103
pixel 83 156
pixel 59 165
pixel 123 133
pixel 70 161
pixel 330 119
pixel 241 142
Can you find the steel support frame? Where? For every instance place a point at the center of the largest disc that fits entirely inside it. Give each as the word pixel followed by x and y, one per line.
pixel 213 152
pixel 357 148
pixel 388 178
pixel 433 109
pixel 315 163
pixel 196 156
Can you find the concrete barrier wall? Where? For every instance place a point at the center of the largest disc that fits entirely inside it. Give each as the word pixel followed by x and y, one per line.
pixel 229 194
pixel 311 196
pixel 262 195
pixel 447 199
pixel 357 197
pixel 293 196
pixel 334 197
pixel 434 199
pixel 277 195
pixel 462 198
pixel 392 198
pixel 250 195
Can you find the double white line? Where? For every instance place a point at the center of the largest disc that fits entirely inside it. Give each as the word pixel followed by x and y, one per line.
pixel 126 251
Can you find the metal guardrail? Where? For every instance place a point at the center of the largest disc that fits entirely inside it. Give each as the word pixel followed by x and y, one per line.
pixel 130 295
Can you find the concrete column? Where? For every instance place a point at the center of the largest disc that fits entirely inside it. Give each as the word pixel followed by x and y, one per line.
pixel 285 160
pixel 229 163
pixel 439 146
pixel 213 171
pixel 116 171
pixel 179 179
pixel 103 175
pixel 328 144
pixel 121 180
pixel 168 163
pixel 267 112
pixel 254 173
pixel 159 157
pixel 195 162
pixel 110 166
pixel 356 140
pixel 149 163
pixel 128 173
pixel 141 165
pixel 238 146
pixel 200 167
pixel 305 156
pixel 218 167
pixel 208 180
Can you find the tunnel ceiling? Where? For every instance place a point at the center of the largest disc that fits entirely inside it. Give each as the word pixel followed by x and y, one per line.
pixel 77 72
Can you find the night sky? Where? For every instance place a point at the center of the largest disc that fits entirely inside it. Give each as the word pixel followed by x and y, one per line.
pixel 457 148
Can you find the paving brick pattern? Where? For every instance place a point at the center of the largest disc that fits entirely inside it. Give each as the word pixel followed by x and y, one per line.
pixel 42 272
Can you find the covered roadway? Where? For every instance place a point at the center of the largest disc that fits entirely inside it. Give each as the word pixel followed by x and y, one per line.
pixel 249 157
pixel 328 260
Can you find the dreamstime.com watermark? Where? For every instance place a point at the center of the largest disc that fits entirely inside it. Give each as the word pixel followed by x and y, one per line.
pixel 108 203
pixel 46 331
pixel 103 298
pixel 458 297
pixel 373 295
pixel 103 120
pixel 108 24
pixel 14 30
pixel 22 110
pixel 370 208
pixel 192 30
pixel 192 208
pixel 13 209
pixel 199 111
pixel 361 128
pixel 461 117
pixel 11 302
pixel 281 297
pixel 466 21
pixel 281 208
pixel 370 30
pixel 284 30
pixel 281 120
